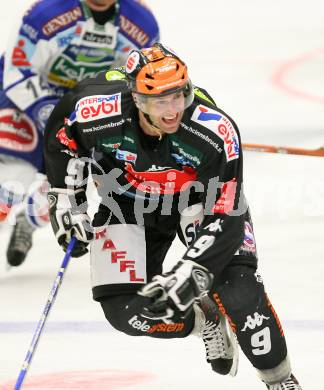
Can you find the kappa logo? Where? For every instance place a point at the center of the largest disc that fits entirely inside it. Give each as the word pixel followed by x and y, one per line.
pixel 252 323
pixel 215 226
pixel 221 126
pixel 98 107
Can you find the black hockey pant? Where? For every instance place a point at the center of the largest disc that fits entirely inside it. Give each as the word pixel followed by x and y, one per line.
pixel 239 294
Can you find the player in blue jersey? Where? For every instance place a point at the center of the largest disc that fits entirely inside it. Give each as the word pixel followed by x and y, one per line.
pixel 59 43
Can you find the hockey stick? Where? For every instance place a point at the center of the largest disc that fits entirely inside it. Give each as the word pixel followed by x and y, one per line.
pixel 41 323
pixel 283 150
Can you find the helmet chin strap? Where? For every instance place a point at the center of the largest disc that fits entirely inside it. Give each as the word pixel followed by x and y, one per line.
pixel 149 125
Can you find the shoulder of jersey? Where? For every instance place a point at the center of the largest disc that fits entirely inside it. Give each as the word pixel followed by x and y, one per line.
pixel 114 79
pixel 210 125
pixel 136 9
pixel 138 23
pixel 105 87
pixel 48 17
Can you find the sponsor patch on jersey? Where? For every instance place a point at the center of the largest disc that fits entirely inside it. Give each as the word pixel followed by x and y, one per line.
pixel 41 115
pixel 125 155
pixel 30 31
pixel 221 126
pixel 86 54
pixel 202 136
pixel 144 326
pixel 97 38
pixel 133 31
pixel 17 131
pixel 182 160
pixel 61 21
pixel 65 40
pixel 249 240
pixel 169 181
pixel 118 259
pixel 96 107
pixel 225 203
pixel 189 153
pixel 66 73
pixel 65 140
pixel 19 56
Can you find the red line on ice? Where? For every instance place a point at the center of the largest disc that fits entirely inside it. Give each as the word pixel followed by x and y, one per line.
pixel 80 380
pixel 278 77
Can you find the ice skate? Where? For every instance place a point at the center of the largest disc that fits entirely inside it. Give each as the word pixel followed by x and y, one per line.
pixel 20 241
pixel 220 342
pixel 289 384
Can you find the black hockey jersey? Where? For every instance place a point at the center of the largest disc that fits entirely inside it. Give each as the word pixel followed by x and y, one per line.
pixel 201 162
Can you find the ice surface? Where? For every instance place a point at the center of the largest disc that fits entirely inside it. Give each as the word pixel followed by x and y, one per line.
pixel 263 63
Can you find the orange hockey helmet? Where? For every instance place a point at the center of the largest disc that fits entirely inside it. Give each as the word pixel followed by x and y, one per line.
pixel 155 72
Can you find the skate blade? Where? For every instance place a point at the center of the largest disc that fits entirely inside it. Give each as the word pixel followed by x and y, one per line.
pixel 232 341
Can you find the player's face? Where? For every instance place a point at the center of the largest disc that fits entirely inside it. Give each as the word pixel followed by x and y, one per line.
pixel 166 112
pixel 100 5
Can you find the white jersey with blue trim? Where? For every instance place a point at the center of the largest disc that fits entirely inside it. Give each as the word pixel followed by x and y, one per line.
pixel 60 43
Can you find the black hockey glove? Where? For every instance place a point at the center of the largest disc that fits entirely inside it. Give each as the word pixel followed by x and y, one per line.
pixel 176 290
pixel 67 210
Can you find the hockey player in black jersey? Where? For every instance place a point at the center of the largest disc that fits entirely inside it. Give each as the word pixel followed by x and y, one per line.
pixel 165 160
